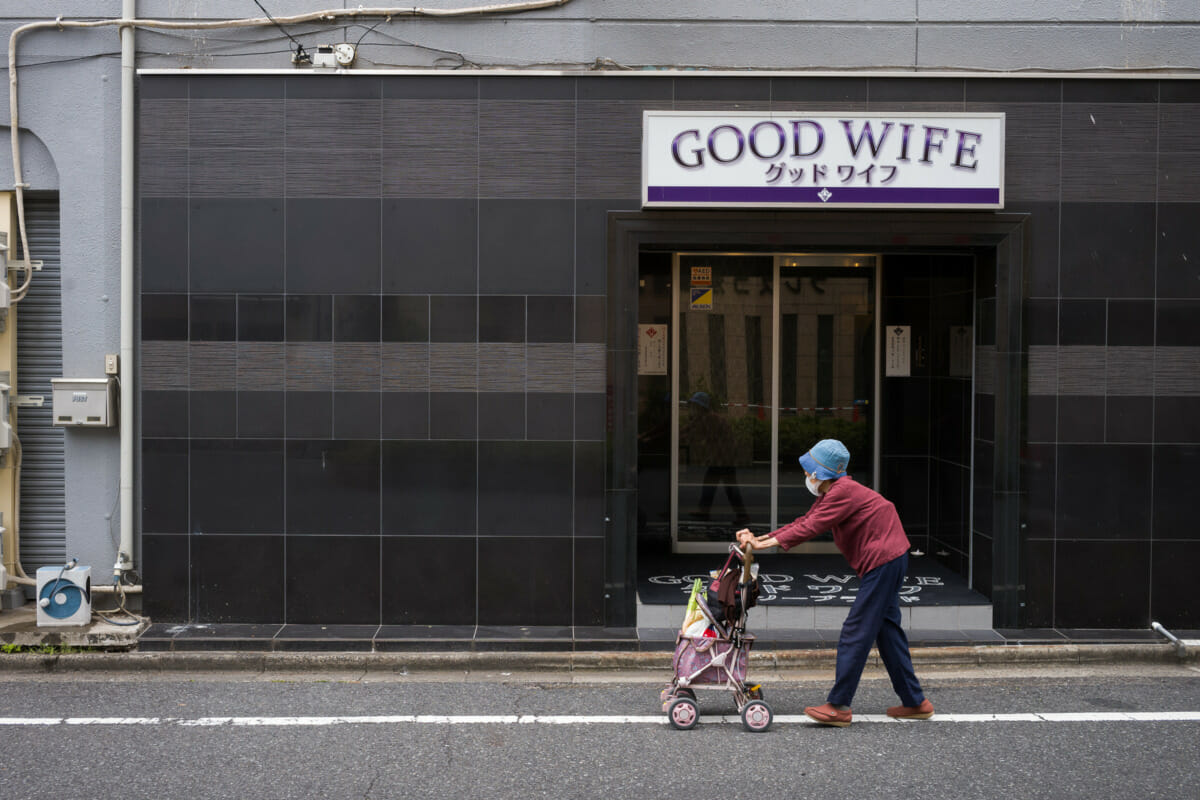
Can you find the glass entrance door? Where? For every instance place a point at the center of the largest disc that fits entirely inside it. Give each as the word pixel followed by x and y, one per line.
pixel 773 353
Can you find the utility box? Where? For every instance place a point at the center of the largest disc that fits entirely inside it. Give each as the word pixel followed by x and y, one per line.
pixel 86 402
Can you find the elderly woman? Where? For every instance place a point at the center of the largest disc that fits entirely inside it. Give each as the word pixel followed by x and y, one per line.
pixel 867 530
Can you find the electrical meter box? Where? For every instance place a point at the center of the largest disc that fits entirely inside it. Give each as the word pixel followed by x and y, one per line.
pixel 86 402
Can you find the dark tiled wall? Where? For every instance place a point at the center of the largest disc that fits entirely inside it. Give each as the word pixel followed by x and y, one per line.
pixel 343 417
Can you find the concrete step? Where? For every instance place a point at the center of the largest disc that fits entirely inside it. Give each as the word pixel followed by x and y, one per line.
pixel 768 616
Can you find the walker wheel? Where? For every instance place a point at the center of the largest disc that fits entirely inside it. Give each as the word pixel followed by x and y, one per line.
pixel 683 691
pixel 756 716
pixel 683 714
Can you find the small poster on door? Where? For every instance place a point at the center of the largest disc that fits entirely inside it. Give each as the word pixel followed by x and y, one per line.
pixel 897 352
pixel 652 349
pixel 702 299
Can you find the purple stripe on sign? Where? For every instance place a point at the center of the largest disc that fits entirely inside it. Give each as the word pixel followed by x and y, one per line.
pixel 827 195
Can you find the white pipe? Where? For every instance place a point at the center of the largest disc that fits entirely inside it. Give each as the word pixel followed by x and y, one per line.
pixel 125 368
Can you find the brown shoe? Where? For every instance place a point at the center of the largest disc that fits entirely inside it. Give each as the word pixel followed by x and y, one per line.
pixel 828 715
pixel 923 711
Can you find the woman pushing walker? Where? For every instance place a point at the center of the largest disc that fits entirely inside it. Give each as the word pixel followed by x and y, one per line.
pixel 867 530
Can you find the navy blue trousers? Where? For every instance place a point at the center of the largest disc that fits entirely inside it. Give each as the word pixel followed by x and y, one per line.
pixel 875 619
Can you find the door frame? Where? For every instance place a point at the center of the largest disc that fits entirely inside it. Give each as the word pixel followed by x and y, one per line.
pixel 1006 235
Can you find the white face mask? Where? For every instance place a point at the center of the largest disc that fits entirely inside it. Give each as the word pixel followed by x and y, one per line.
pixel 814 486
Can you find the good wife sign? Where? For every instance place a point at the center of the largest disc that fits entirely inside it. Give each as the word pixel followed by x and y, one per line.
pixel 778 159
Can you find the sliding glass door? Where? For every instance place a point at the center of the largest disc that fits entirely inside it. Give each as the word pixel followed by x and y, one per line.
pixel 773 352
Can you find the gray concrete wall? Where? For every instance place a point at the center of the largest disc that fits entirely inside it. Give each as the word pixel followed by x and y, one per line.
pixel 69 97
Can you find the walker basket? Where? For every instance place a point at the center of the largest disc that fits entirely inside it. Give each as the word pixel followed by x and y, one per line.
pixel 695 654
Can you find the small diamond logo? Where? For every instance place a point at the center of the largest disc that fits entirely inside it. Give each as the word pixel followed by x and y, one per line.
pixel 825 194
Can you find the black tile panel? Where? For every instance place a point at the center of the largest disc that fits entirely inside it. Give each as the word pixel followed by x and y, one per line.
pixel 1107 250
pixel 429 488
pixel 1178 323
pixel 333 245
pixel 551 319
pixel 164 567
pixel 589 490
pixel 356 318
pixel 1130 323
pixel 1129 419
pixel 352 563
pixel 502 319
pixel 164 317
pixel 430 246
pixel 308 317
pixel 212 415
pixel 356 415
pixel 1081 418
pixel 333 487
pixel 527 246
pixel 453 415
pixel 404 415
pixel 405 318
pixel 260 318
pixel 429 580
pixel 164 485
pixel 164 244
pixel 525 581
pixel 1175 471
pixel 1173 585
pixel 212 318
pixel 236 486
pixel 525 488
pixel 502 415
pixel 309 415
pixel 1178 273
pixel 550 416
pixel 261 415
pixel 1177 420
pixel 237 578
pixel 236 245
pixel 1104 491
pixel 1082 322
pixel 164 413
pixel 1100 584
pixel 452 318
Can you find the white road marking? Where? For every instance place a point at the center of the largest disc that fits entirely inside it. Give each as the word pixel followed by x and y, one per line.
pixel 604 719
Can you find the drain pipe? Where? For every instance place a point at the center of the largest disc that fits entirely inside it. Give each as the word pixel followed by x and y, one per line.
pixel 1180 648
pixel 125 367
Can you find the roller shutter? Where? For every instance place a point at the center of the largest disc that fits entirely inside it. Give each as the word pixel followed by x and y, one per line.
pixel 39 358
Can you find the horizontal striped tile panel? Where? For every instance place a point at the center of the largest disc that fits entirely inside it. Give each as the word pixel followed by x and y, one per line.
pixel 405 367
pixel 590 372
pixel 262 367
pixel 609 138
pixel 236 122
pixel 1129 371
pixel 417 161
pixel 333 124
pixel 213 366
pixel 163 171
pixel 235 172
pixel 1177 127
pixel 501 367
pixel 163 123
pixel 333 173
pixel 527 149
pixel 164 365
pixel 1081 370
pixel 310 366
pixel 1177 371
pixel 453 366
pixel 550 367
pixel 1043 370
pixel 1179 177
pixel 356 366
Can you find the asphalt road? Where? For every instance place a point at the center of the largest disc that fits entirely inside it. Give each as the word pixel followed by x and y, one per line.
pixel 263 736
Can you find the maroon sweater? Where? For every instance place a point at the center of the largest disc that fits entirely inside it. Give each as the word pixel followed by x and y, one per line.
pixel 865 525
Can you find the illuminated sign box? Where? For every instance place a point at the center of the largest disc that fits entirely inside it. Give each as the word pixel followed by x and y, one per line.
pixel 825 160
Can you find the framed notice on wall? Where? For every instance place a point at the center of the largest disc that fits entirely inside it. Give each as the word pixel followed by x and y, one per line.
pixel 652 349
pixel 897 353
